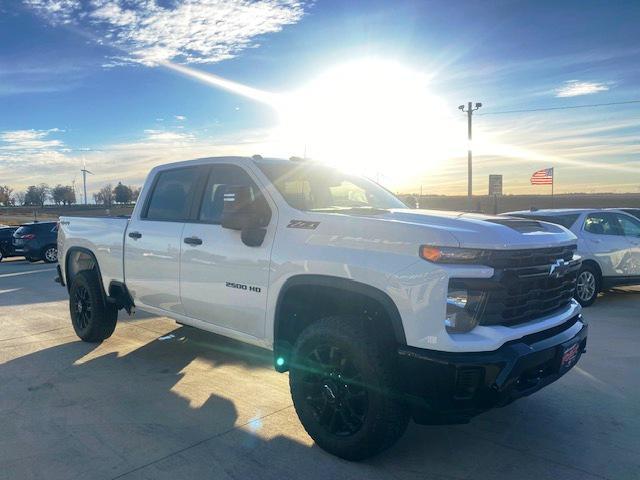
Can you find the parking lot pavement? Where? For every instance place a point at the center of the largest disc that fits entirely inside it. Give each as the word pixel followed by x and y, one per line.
pixel 158 400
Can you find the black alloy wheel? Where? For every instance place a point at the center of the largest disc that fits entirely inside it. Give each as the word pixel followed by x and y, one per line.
pixel 334 389
pixel 82 306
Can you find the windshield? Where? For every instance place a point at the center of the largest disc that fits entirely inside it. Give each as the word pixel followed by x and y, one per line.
pixel 321 188
pixel 566 221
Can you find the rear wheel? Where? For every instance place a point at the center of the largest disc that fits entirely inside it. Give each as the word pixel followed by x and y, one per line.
pixel 93 319
pixel 587 286
pixel 342 383
pixel 50 254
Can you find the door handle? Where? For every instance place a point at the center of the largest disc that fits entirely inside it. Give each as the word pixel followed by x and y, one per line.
pixel 135 235
pixel 193 241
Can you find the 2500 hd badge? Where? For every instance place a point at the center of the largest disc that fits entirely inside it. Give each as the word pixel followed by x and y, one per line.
pixel 242 286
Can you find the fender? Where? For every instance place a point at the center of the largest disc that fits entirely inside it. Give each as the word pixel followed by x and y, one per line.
pixel 343 284
pixel 118 292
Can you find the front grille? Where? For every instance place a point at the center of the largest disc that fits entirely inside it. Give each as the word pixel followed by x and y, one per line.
pixel 527 258
pixel 526 285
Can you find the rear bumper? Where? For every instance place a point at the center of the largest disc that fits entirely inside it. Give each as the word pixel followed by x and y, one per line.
pixel 27 251
pixel 453 387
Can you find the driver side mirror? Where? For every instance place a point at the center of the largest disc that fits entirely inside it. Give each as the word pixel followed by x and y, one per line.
pixel 241 212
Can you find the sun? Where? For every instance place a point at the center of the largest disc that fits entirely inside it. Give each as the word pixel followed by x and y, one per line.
pixel 372 116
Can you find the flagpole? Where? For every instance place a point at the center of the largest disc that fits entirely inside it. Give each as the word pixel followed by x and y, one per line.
pixel 553 181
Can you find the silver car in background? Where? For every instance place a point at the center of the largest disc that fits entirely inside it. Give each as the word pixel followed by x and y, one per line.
pixel 608 242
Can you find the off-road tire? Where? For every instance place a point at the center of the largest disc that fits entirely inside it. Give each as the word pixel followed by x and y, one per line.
pixel 372 370
pixel 586 295
pixel 93 319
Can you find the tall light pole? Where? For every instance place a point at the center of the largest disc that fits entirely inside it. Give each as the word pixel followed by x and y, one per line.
pixel 469 111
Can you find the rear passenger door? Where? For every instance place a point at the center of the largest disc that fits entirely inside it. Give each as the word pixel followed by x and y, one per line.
pixel 631 229
pixel 223 281
pixel 154 239
pixel 606 240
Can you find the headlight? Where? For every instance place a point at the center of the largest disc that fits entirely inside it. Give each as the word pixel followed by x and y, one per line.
pixel 463 308
pixel 451 254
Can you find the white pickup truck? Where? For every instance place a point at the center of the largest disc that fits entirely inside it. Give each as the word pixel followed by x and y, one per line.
pixel 380 313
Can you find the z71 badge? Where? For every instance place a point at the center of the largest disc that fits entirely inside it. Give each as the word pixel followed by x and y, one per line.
pixel 303 224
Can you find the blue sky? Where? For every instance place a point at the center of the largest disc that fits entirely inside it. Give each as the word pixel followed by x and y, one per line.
pixel 88 81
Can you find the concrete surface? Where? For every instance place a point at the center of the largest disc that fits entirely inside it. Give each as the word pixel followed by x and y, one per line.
pixel 162 401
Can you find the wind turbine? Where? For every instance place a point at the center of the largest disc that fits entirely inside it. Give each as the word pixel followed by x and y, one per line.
pixel 84 178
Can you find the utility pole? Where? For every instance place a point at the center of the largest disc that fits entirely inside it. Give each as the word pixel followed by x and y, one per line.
pixel 469 111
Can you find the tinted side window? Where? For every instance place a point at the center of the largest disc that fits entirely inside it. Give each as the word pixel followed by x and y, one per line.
pixel 564 220
pixel 630 226
pixel 220 177
pixel 172 195
pixel 633 211
pixel 602 224
pixel 24 230
pixel 46 227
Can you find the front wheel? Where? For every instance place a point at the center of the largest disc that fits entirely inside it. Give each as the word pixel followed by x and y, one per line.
pixel 50 254
pixel 93 318
pixel 342 382
pixel 587 286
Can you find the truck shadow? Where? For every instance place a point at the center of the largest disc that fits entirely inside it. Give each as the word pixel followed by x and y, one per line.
pixel 191 404
pixel 187 405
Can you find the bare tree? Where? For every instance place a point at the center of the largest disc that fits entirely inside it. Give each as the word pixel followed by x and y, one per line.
pixel 104 196
pixel 135 193
pixel 63 194
pixel 5 195
pixel 19 198
pixel 36 195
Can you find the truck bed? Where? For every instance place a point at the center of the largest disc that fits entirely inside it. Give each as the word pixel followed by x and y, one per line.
pixel 102 236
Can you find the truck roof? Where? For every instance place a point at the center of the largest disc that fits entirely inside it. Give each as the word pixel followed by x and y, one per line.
pixel 551 212
pixel 233 158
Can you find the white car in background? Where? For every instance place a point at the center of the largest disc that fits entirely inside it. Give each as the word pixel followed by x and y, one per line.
pixel 608 242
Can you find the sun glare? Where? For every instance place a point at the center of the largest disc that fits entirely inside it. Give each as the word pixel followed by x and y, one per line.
pixel 372 116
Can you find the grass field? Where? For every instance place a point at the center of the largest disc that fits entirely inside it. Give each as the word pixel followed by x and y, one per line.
pixel 508 203
pixel 19 215
pixel 481 203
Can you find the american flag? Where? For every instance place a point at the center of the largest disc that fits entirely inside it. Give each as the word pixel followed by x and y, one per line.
pixel 542 177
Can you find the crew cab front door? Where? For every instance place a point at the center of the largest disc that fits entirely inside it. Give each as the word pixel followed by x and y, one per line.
pixel 154 239
pixel 223 281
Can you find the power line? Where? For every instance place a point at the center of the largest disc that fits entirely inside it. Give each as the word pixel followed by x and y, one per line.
pixel 544 109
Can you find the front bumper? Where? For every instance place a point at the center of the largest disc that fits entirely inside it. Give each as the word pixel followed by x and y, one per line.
pixel 444 387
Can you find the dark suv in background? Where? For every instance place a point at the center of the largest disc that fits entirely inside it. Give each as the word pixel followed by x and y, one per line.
pixel 6 241
pixel 37 241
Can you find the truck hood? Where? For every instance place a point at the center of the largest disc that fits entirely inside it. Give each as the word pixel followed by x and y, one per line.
pixel 473 230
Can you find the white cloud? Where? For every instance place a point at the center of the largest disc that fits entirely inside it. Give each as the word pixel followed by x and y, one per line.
pixel 190 31
pixel 20 140
pixel 180 118
pixel 166 136
pixel 575 88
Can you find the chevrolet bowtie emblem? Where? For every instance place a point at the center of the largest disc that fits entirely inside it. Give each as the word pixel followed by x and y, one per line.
pixel 558 269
